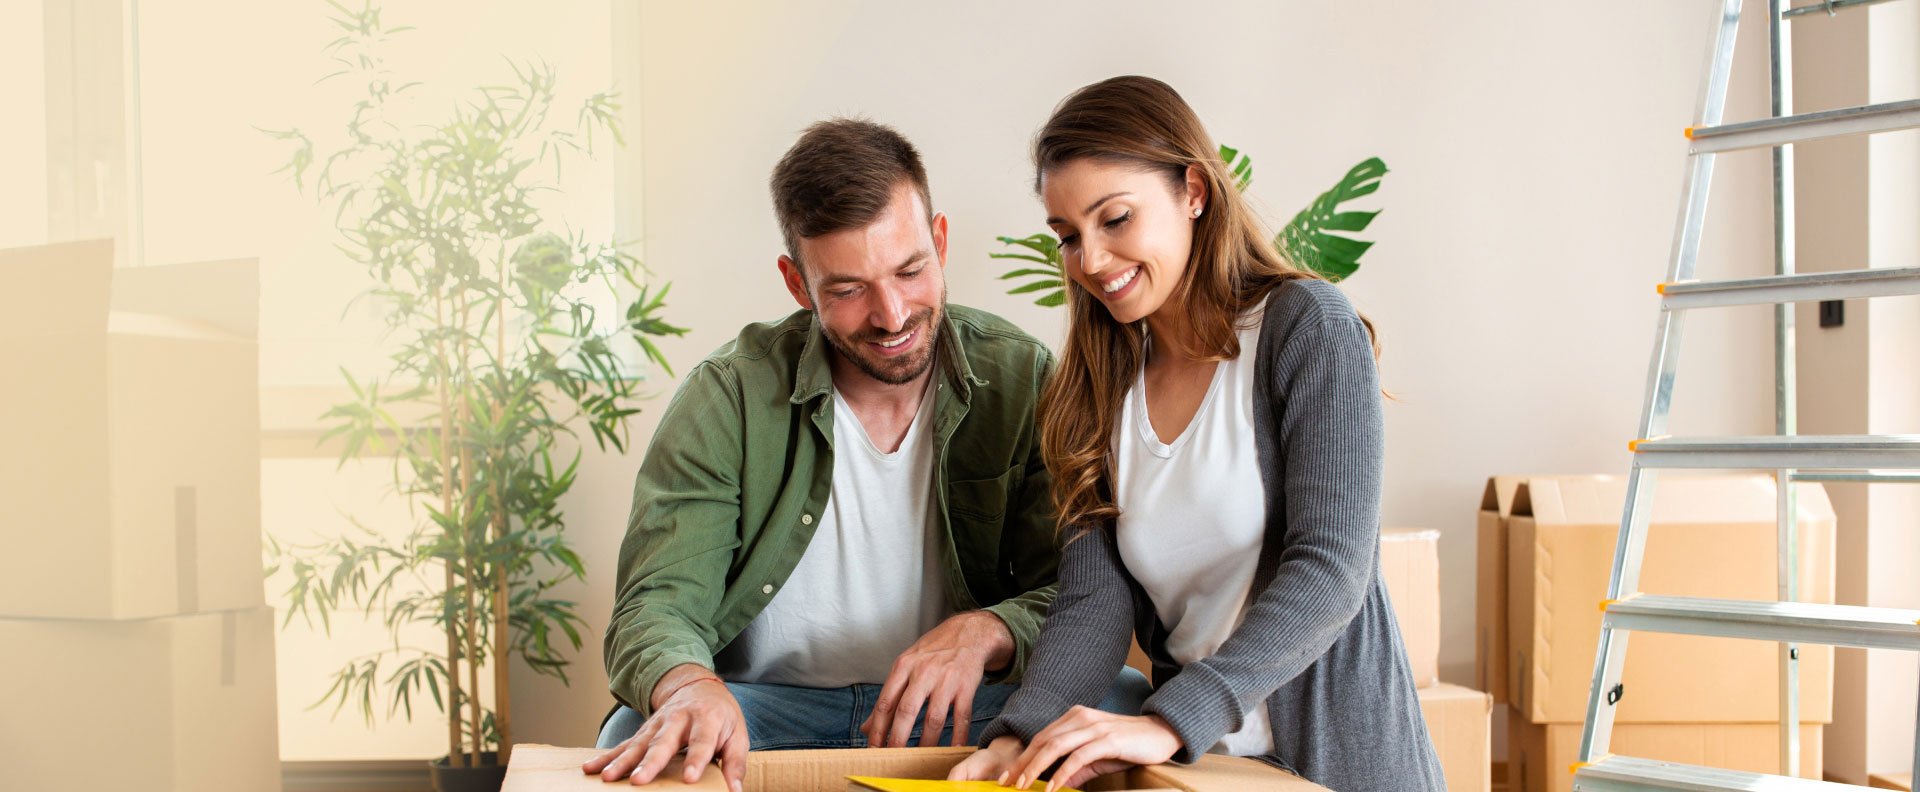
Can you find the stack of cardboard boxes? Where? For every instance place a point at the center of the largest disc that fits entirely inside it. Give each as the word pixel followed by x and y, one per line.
pixel 139 645
pixel 1458 718
pixel 1546 547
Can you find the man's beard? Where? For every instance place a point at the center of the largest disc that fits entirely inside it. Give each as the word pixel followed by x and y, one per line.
pixel 893 371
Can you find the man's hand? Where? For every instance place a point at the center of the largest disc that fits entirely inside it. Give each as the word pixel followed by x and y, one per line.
pixel 1089 743
pixel 939 672
pixel 692 710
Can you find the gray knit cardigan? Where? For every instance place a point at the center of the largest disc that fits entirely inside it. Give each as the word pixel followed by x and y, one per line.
pixel 1319 647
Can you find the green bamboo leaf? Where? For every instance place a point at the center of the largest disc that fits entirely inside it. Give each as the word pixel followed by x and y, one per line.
pixel 1036 286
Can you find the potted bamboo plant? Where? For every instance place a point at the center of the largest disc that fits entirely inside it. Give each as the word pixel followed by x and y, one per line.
pixel 505 348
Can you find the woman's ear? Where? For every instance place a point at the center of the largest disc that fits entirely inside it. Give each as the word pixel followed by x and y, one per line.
pixel 1196 191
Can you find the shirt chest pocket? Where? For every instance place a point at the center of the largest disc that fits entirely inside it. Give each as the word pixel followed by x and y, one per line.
pixel 977 508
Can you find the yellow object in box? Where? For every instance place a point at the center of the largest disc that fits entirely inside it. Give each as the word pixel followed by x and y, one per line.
pixel 545 768
pixel 855 783
pixel 134 436
pixel 1410 565
pixel 1490 587
pixel 1710 536
pixel 180 704
pixel 1460 724
pixel 1540 756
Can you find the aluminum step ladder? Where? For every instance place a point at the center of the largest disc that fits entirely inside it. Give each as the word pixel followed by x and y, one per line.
pixel 1791 456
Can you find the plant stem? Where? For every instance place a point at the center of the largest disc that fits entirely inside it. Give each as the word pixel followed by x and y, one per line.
pixel 501 692
pixel 467 616
pixel 454 704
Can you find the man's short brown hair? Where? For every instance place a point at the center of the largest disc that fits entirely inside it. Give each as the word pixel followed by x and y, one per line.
pixel 840 174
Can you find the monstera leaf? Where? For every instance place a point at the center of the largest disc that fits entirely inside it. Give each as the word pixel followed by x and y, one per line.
pixel 1306 241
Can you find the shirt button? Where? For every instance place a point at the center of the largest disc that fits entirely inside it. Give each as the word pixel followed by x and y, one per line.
pixel 767 589
pixel 806 519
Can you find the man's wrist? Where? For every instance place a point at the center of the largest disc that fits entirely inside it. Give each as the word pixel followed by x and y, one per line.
pixel 679 677
pixel 1000 646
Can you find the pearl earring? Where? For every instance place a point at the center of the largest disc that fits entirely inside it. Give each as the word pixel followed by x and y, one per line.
pixel 1196 212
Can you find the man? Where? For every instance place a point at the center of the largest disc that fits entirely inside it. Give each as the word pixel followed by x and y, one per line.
pixel 843 517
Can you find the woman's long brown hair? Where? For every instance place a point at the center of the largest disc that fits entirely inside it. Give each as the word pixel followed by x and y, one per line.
pixel 1142 122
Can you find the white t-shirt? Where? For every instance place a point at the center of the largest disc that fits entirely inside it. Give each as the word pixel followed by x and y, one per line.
pixel 1193 516
pixel 871 581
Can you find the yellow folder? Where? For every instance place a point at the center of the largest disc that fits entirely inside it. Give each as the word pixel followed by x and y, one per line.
pixel 924 785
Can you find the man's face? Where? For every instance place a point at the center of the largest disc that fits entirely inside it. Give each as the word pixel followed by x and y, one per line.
pixel 880 291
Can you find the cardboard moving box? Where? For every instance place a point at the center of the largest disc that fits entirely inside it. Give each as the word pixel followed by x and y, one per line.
pixel 1540 756
pixel 1460 722
pixel 134 436
pixel 180 704
pixel 1711 536
pixel 1490 587
pixel 545 768
pixel 1410 563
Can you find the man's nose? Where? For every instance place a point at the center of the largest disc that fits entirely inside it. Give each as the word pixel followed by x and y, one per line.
pixel 888 311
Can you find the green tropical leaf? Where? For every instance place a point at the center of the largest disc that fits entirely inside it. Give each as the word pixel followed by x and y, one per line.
pixel 1238 164
pixel 1306 241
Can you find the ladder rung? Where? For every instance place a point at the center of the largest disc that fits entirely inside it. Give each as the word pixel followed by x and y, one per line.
pixel 1801 287
pixel 1796 452
pixel 1860 477
pixel 1627 774
pixel 1823 8
pixel 1863 120
pixel 1799 622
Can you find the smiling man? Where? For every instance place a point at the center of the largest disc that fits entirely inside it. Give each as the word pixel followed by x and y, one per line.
pixel 842 534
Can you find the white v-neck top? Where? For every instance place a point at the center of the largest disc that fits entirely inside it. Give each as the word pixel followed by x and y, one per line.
pixel 1193 516
pixel 870 582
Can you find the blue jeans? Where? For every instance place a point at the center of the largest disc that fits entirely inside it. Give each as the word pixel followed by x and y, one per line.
pixel 780 717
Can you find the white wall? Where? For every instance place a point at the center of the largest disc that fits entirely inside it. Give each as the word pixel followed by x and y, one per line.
pixel 1536 156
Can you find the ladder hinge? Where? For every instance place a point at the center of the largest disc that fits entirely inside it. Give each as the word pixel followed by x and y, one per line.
pixel 1618 692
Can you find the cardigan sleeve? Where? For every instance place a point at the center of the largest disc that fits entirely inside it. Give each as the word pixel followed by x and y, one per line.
pixel 1326 442
pixel 1082 643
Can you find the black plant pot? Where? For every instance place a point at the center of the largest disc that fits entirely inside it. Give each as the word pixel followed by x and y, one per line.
pixel 487 777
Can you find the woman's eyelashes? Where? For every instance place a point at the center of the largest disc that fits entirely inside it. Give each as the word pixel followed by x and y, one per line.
pixel 1070 239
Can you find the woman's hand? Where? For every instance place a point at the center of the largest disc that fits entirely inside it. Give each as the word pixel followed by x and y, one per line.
pixel 991 763
pixel 1090 743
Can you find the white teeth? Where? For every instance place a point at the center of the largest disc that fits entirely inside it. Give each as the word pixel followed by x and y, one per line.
pixel 1121 282
pixel 895 342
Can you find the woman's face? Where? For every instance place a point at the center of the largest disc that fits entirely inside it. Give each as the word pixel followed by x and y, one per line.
pixel 1125 232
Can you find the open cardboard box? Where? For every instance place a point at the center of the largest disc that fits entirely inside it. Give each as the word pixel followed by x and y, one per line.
pixel 1710 536
pixel 133 435
pixel 545 768
pixel 1490 587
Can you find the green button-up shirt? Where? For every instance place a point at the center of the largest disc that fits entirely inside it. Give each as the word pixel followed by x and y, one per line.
pixel 739 471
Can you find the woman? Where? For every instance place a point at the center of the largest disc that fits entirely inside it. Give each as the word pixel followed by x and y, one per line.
pixel 1214 434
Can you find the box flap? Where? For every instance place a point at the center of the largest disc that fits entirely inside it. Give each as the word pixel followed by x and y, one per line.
pixel 1499 494
pixel 1410 535
pixel 55 290
pixel 224 294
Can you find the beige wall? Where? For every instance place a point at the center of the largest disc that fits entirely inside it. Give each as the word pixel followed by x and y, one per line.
pixel 1857 198
pixel 1536 161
